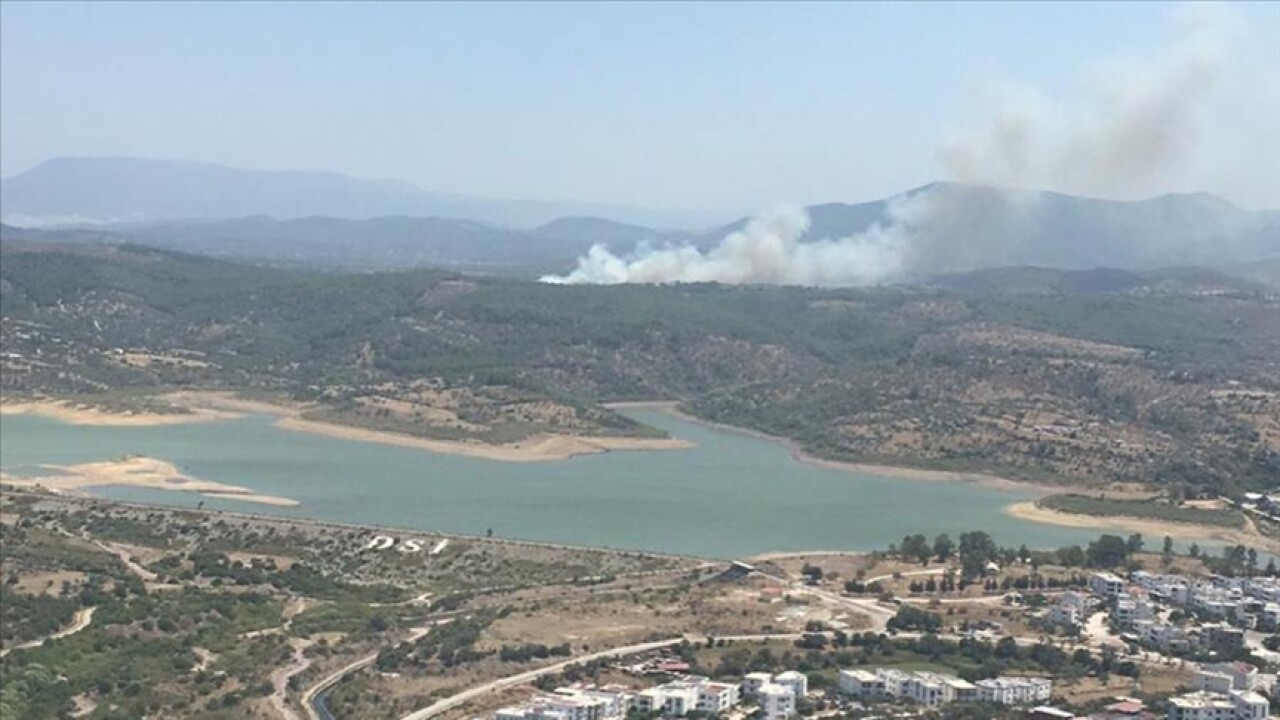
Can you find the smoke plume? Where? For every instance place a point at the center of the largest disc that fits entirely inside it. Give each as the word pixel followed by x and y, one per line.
pixel 1134 123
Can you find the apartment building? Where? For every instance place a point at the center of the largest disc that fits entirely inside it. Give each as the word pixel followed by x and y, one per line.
pixel 935 689
pixel 1106 584
pixel 777 702
pixel 1014 691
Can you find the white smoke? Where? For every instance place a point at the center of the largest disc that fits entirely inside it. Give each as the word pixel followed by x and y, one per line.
pixel 767 251
pixel 1129 127
pixel 1134 123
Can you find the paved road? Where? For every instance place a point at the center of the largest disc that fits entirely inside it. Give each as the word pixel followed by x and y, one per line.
pixel 313 697
pixel 82 618
pixel 528 676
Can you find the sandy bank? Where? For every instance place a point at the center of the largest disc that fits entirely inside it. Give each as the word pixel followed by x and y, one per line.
pixel 83 414
pixel 1147 526
pixel 533 449
pixel 138 472
pixel 993 482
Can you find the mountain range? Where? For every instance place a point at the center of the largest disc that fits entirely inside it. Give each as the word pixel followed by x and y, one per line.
pixel 374 226
pixel 75 190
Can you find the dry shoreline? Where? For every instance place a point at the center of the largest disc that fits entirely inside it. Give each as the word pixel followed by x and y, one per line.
pixel 1147 526
pixel 993 482
pixel 212 405
pixel 81 414
pixel 141 472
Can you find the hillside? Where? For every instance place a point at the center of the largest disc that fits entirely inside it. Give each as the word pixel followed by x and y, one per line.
pixel 1065 387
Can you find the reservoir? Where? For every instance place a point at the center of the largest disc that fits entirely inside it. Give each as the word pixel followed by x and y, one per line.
pixel 731 495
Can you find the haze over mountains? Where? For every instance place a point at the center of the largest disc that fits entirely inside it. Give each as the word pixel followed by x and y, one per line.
pixel 70 190
pixel 329 220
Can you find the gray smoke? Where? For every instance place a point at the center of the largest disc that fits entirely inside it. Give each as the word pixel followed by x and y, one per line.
pixel 1135 122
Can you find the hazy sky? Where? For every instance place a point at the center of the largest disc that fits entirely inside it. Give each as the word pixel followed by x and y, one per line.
pixel 701 106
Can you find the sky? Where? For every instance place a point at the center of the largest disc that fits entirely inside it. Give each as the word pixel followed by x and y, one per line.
pixel 719 106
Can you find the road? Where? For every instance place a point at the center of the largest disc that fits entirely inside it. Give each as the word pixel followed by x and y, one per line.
pixel 529 676
pixel 312 698
pixel 82 618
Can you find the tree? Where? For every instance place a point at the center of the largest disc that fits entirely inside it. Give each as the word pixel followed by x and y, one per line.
pixel 1194 550
pixel 1107 551
pixel 1134 543
pixel 915 546
pixel 1168 546
pixel 976 550
pixel 943 548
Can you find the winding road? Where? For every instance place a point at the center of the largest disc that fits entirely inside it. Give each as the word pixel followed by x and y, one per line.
pixel 82 618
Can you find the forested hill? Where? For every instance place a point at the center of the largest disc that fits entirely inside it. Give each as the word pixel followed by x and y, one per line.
pixel 1170 388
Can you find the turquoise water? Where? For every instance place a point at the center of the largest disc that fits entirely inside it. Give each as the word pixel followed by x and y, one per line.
pixel 731 495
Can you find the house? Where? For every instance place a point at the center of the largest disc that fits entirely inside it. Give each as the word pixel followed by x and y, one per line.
pixel 1224 677
pixel 1235 705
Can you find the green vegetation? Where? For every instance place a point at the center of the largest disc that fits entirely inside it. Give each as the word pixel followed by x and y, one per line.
pixel 1147 509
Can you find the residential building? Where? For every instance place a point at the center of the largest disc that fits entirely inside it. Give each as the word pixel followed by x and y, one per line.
pixel 1234 705
pixel 679 698
pixel 935 689
pixel 1161 635
pixel 1131 608
pixel 1224 677
pixel 1106 584
pixel 861 683
pixel 751 682
pixel 778 702
pixel 1014 691
pixel 798 682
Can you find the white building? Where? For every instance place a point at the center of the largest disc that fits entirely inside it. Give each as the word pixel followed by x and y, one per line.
pixel 1161 635
pixel 1131 608
pixel 1106 584
pixel 798 683
pixel 861 683
pixel 1224 677
pixel 1235 705
pixel 1014 691
pixel 751 682
pixel 777 701
pixel 935 689
pixel 679 698
pixel 1070 609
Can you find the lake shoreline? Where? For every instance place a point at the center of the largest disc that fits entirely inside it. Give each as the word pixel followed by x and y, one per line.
pixel 1032 512
pixel 73 413
pixel 213 405
pixel 140 472
pixel 904 472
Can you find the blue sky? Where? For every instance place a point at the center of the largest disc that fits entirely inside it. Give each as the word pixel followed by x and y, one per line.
pixel 724 106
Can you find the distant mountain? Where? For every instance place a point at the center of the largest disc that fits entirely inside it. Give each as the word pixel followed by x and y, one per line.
pixel 330 220
pixel 980 227
pixel 67 191
pixel 385 243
